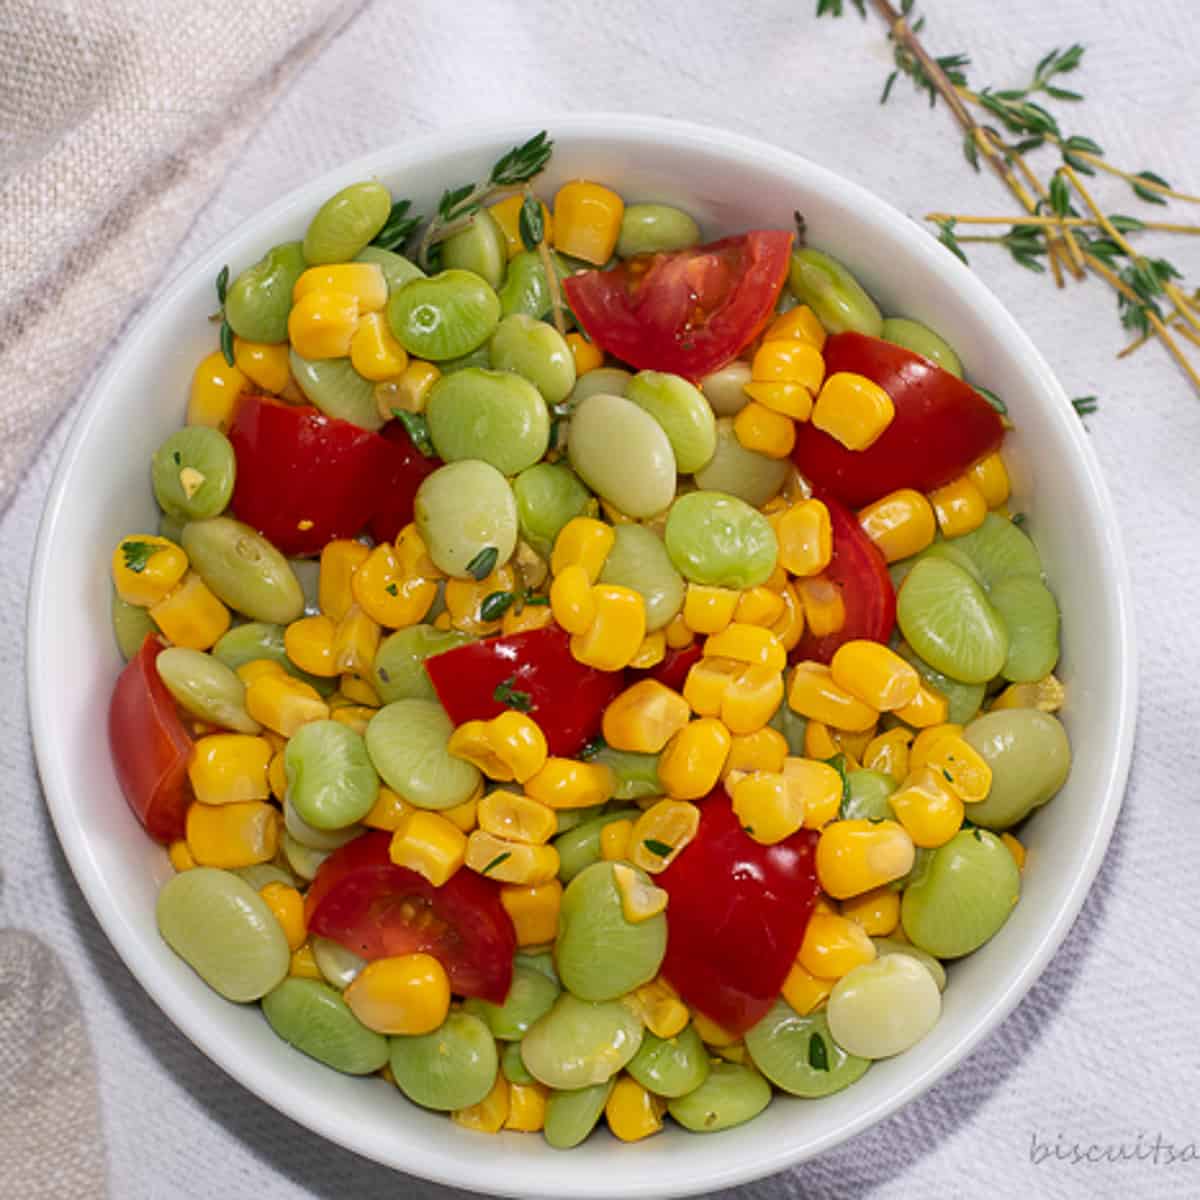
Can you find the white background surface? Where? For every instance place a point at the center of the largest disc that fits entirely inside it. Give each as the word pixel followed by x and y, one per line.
pixel 1106 1049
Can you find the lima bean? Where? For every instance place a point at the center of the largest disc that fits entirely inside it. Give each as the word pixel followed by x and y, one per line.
pixel 548 495
pixel 303 860
pixel 612 381
pixel 799 1054
pixel 259 299
pixel 131 625
pixel 682 411
pixel 398 672
pixel 406 741
pixel 339 966
pixel 636 774
pixel 1030 615
pixel 264 639
pixel 670 1066
pixel 578 1044
pixel 832 292
pixel 639 560
pixel 453 1067
pixel 461 510
pixel 743 473
pixel 725 390
pixel 730 1095
pixel 480 248
pixel 445 316
pixel 330 780
pixel 525 289
pixel 714 538
pixel 537 352
pixel 654 229
pixel 397 269
pixel 530 997
pixel 920 339
pixel 206 688
pixel 884 1007
pixel 571 1116
pixel 315 1019
pixel 579 848
pixel 998 549
pixel 337 389
pixel 868 798
pixel 512 1067
pixel 891 946
pixel 346 222
pixel 193 473
pixel 963 699
pixel 258 875
pixel 1030 758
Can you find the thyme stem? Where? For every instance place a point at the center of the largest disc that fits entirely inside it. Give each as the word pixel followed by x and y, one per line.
pixel 1070 222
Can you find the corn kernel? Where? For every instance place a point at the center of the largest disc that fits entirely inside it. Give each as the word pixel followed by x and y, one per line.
pixel 661 832
pixel 814 694
pixel 232 835
pixel 964 769
pixel 747 644
pixel 633 1112
pixel 587 221
pixel 852 409
pixel 900 524
pixel 339 560
pixel 491 1113
pixel 923 743
pixel 180 856
pixel 362 280
pixel 465 816
pixel 353 716
pixel 261 668
pixel 804 991
pixel 284 704
pixel 1046 695
pixel 263 363
pixel 644 717
pixel 407 994
pixel 640 899
pixel 889 753
pixel 216 388
pixel 526 1107
pixel 759 606
pixel 304 964
pixel 615 635
pixel 927 808
pixel 516 818
pixel 583 542
pixel 791 400
pixel 359 691
pixel 820 785
pixel 533 909
pixel 309 644
pixel 805 538
pixel 874 674
pixel 507 214
pixel 408 391
pixel 712 1034
pixel 764 431
pixel 788 360
pixel 572 601
pixel 587 355
pixel 388 810
pixel 752 698
pixel 615 839
pixel 833 946
pixel 824 608
pixel 191 615
pixel 959 507
pixel 768 806
pixel 321 324
pixel 877 911
pixel 567 783
pixel 389 596
pixel 819 742
pixel 287 906
pixel 531 616
pixel 763 750
pixel 990 477
pixel 679 635
pixel 1015 849
pixel 374 352
pixel 146 568
pixel 855 856
pixel 355 642
pixel 929 707
pixel 226 768
pixel 709 609
pixel 789 629
pixel 510 862
pixel 465 598
pixel 427 843
pixel 693 761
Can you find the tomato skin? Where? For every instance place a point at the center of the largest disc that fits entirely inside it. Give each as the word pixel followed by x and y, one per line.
pixel 567 699
pixel 150 747
pixel 689 312
pixel 357 899
pixel 295 465
pixel 858 568
pixel 736 916
pixel 407 468
pixel 941 426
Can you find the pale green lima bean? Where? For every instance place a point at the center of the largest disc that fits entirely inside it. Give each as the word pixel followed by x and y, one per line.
pixel 1030 758
pixel 572 1115
pixel 537 352
pixel 655 229
pixel 832 292
pixel 406 741
pixel 346 222
pixel 530 996
pixel 445 316
pixel 714 538
pixel 639 560
pixel 799 1055
pixel 731 1095
pixel 548 495
pixel 131 624
pixel 314 1018
pixel 193 473
pixel 398 672
pixel 682 411
pixel 258 301
pixel 725 389
pixel 920 339
pixel 578 1043
pixel 670 1066
pixel 206 688
pixel 339 966
pixel 885 1007
pixel 337 389
pixel 462 510
pixel 453 1067
pixel 480 248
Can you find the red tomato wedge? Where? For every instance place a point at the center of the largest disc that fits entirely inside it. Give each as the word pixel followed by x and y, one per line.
pixel 941 426
pixel 304 478
pixel 363 901
pixel 407 469
pixel 860 571
pixel 150 746
pixel 689 312
pixel 563 696
pixel 736 916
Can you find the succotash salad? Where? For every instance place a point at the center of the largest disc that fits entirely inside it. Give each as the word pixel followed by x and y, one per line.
pixel 585 671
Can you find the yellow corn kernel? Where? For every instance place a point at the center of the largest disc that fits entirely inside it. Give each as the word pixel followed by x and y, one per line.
pixel 789 629
pixel 519 743
pixel 876 675
pixel 571 599
pixel 258 668
pixel 651 652
pixel 805 538
pixel 959 507
pixel 507 214
pixel 708 609
pixel 470 742
pixel 464 600
pixel 359 691
pixel 216 387
pixel 763 750
pixel 660 1008
pixel 712 1034
pixel 531 616
pixel 387 595
pixel 927 808
pixel 587 355
pixel 403 995
pixel 964 769
pixel 146 568
pixel 526 1107
pixel 191 615
pixel 693 760
pixel 427 843
pixel 852 409
pixel 833 946
pixel 587 221
pixel 353 716
pixel 309 644
pixel 491 1113
pixel 769 807
pixel 877 911
pixel 374 352
pixel 408 391
pixel 747 644
pixel 180 856
pixel 929 707
pixel 615 838
pixel 277 776
pixel 759 606
pixel 226 768
pixel 923 743
pixel 752 698
pixel 820 785
pixel 339 560
pixel 791 400
pixel 855 856
pixel 824 609
pixel 788 360
pixel 362 280
pixel 990 477
pixel 263 363
pixel 615 635
pixel 232 835
pixel 633 1112
pixel 799 322
pixel 567 783
pixel 583 542
pixel 814 694
pixel 321 324
pixel 533 910
pixel 413 556
pixel 355 642
pixel 1015 849
pixel 661 832
pixel 1046 695
pixel 388 810
pixel 516 818
pixel 804 991
pixel 644 717
pixel 465 816
pixel 889 753
pixel 510 862
pixel 287 906
pixel 304 964
pixel 640 899
pixel 679 635
pixel 706 683
pixel 764 430
pixel 284 704
pixel 900 524
pixel 819 742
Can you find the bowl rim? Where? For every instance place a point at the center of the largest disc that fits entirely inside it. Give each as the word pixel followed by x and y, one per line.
pixel 431 1163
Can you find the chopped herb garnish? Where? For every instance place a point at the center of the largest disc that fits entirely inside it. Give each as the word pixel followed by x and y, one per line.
pixel 178 458
pixel 659 848
pixel 977 834
pixel 1085 405
pixel 818 1053
pixel 496 862
pixel 505 693
pixel 947 776
pixel 530 224
pixel 537 600
pixel 392 590
pixel 838 763
pixel 138 554
pixel 398 228
pixel 222 284
pixel 227 342
pixel 748 829
pixel 1019 519
pixel 484 563
pixel 495 604
pixel 592 747
pixel 417 429
pixel 384 676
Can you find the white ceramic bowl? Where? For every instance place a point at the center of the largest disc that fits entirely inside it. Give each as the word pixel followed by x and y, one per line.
pixel 101 492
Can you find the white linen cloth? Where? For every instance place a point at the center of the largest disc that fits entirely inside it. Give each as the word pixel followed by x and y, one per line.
pixel 1105 1051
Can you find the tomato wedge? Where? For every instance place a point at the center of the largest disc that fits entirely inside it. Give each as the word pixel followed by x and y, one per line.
pixel 860 571
pixel 150 747
pixel 304 478
pixel 407 468
pixel 537 673
pixel 689 312
pixel 941 426
pixel 363 901
pixel 736 916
